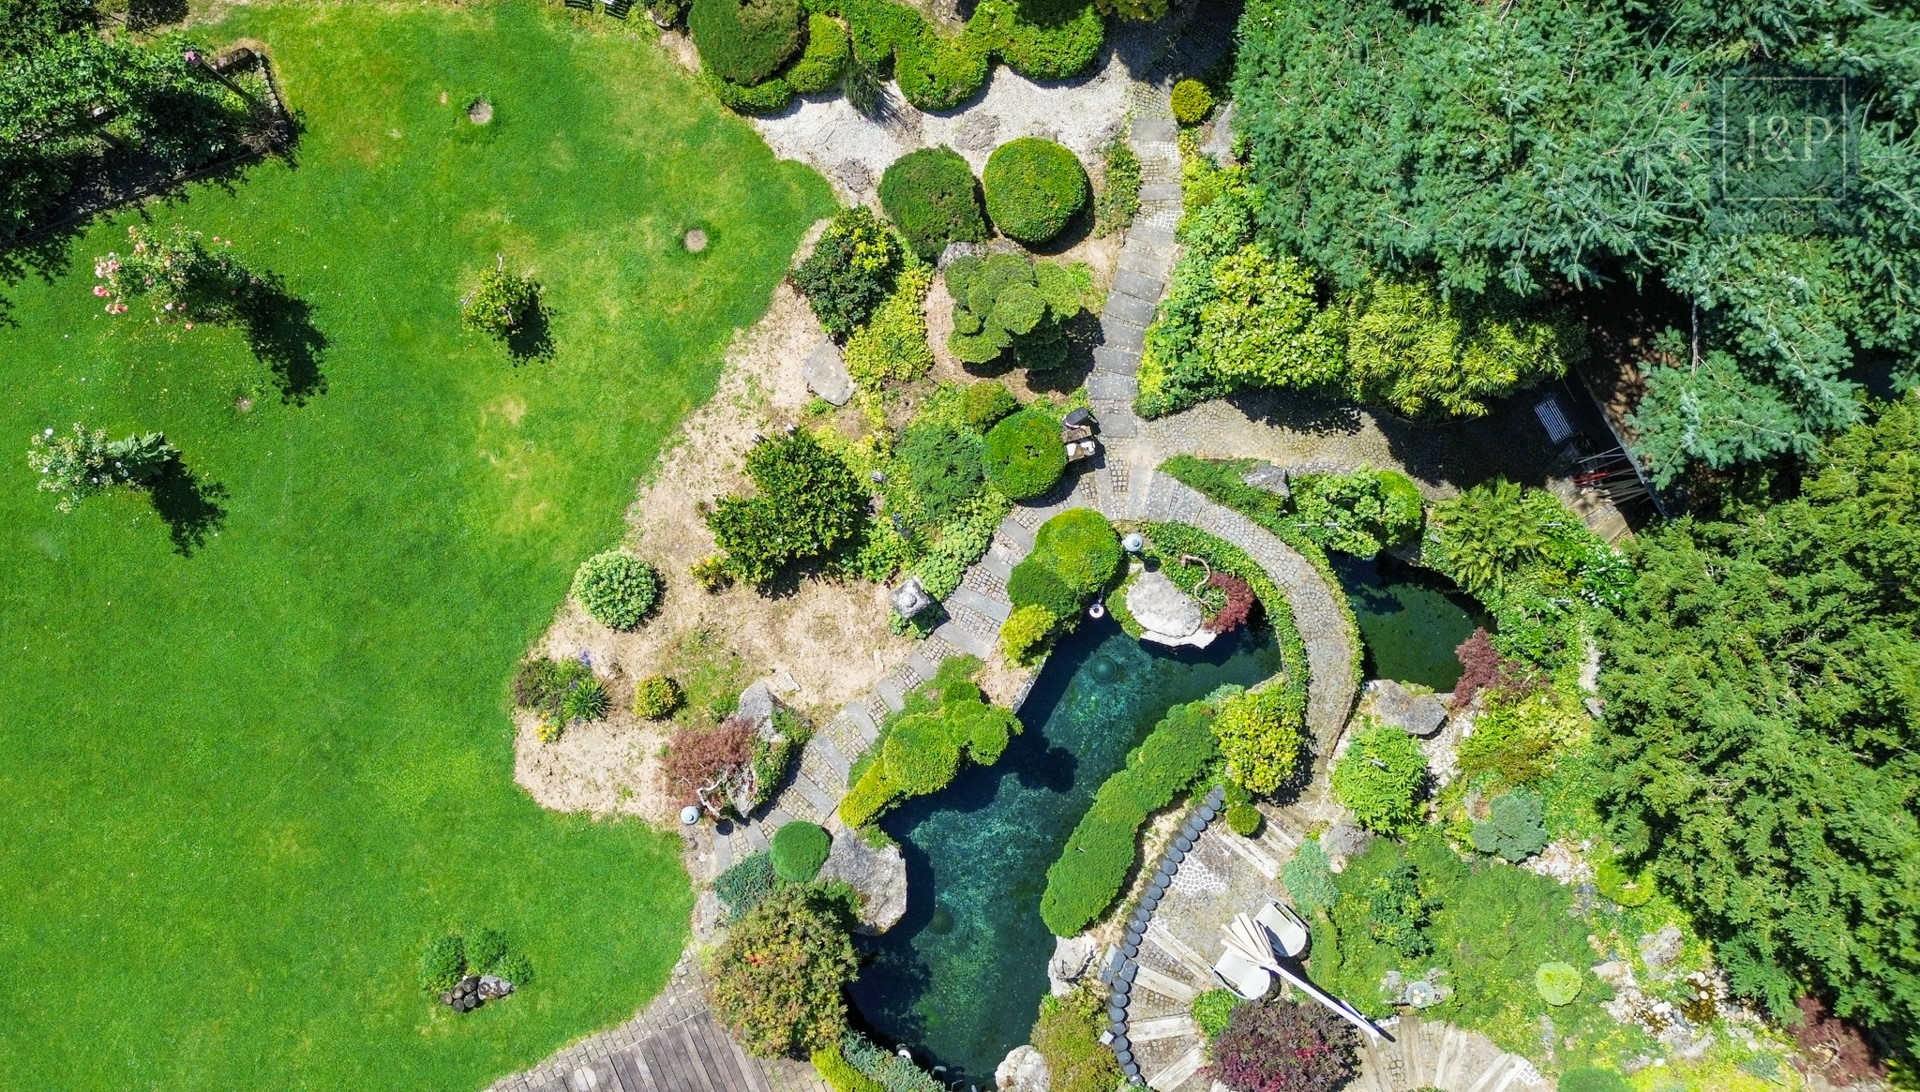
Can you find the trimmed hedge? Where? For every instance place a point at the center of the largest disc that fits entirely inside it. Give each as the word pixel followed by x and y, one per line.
pixel 1024 634
pixel 823 60
pixel 1033 584
pixel 745 41
pixel 798 849
pixel 920 748
pixel 1099 854
pixel 1024 454
pixel 930 196
pixel 1034 187
pixel 841 1075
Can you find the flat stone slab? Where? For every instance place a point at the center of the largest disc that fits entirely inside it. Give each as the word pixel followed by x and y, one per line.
pixel 879 875
pixel 1166 612
pixel 1395 704
pixel 825 373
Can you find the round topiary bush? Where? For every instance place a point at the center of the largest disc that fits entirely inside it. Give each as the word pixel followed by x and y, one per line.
pixel 655 696
pixel 930 196
pixel 1558 983
pixel 1024 455
pixel 1034 187
pixel 986 403
pixel 745 41
pixel 442 963
pixel 1081 547
pixel 1244 820
pixel 799 849
pixel 1192 102
pixel 618 589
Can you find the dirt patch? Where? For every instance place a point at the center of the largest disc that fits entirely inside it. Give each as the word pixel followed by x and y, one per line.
pixel 831 637
pixel 480 112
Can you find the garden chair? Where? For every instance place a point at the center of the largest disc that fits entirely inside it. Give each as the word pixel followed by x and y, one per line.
pixel 1247 980
pixel 1290 933
pixel 583 5
pixel 619 8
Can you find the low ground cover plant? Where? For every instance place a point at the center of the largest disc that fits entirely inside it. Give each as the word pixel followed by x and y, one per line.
pixel 1118 201
pixel 892 343
pixel 744 884
pixel 1514 829
pixel 776 981
pixel 1067 1035
pixel 1212 1009
pixel 1008 305
pixel 561 692
pixel 1283 1045
pixel 807 505
pixel 930 194
pixel 1034 187
pixel 1024 455
pixel 1087 877
pixel 616 588
pixel 851 271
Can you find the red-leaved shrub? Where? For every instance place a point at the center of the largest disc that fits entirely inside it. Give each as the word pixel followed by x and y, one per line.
pixel 1239 606
pixel 697 757
pixel 1834 1048
pixel 1483 668
pixel 1285 1046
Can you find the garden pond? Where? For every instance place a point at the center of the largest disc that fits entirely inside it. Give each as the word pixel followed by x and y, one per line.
pixel 959 980
pixel 1411 619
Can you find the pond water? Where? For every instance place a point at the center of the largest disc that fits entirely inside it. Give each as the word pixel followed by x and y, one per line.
pixel 959 980
pixel 1411 619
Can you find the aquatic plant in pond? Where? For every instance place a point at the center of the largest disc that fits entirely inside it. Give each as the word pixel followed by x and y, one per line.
pixel 1411 620
pixel 959 980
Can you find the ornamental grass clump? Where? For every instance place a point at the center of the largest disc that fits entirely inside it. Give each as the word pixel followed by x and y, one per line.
pixel 1034 187
pixel 616 588
pixel 1278 1045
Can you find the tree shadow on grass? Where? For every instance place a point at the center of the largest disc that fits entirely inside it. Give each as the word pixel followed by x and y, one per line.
pixel 533 338
pixel 189 506
pixel 280 331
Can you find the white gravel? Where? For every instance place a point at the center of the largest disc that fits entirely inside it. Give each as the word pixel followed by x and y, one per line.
pixel 852 149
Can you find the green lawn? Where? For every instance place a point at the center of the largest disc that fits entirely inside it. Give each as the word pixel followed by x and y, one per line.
pixel 243 784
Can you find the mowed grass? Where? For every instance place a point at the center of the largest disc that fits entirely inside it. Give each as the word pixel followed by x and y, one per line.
pixel 241 786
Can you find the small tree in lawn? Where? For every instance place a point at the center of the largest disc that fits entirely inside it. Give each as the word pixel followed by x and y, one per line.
pixel 85 463
pixel 183 280
pixel 503 302
pixel 1285 1046
pixel 778 977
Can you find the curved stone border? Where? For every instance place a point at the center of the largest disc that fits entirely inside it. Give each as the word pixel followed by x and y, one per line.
pixel 1120 978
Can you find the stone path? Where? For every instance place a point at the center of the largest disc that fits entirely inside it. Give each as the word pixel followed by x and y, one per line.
pixel 675 1045
pixel 1225 874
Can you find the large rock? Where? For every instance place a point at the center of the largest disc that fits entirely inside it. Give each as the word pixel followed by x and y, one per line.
pixel 879 875
pixel 1023 1070
pixel 1163 610
pixel 756 704
pixel 1270 478
pixel 1416 714
pixel 1071 958
pixel 826 374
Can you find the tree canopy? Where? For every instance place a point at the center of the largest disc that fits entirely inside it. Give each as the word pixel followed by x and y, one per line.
pixel 1763 706
pixel 1549 145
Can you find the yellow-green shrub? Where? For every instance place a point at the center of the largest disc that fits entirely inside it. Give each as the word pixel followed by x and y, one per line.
pixel 1025 632
pixel 833 1066
pixel 893 343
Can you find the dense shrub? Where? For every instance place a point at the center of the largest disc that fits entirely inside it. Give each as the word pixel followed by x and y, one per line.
pixel 1083 882
pixel 1023 636
pixel 741 887
pixel 1590 1079
pixel 1516 739
pixel 1192 102
pixel 700 755
pixel 745 41
pixel 1047 39
pixel 869 795
pixel 929 194
pixel 1835 1047
pixel 1558 983
pixel 1237 601
pixel 442 963
pixel 985 404
pixel 184 281
pixel 1398 910
pixel 85 463
pixel 1380 778
pixel 808 505
pixel 1360 513
pixel 1279 1045
pixel 1118 201
pixel 777 980
pixel 1211 1011
pixel 1010 304
pixel 1483 668
pixel 1514 831
pixel 1080 547
pixel 840 1074
pixel 1244 819
pixel 656 697
pixel 1260 736
pixel 1034 187
pixel 1024 455
pixel 824 58
pixel 944 467
pixel 1309 877
pixel 895 1073
pixel 921 747
pixel 1033 584
pixel 852 269
pixel 1067 1035
pixel 617 588
pixel 798 849
pixel 893 343
pixel 501 303
pixel 485 949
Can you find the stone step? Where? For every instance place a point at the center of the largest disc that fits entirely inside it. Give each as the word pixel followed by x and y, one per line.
pixel 823 802
pixel 976 601
pixel 922 664
pixel 722 852
pixel 826 763
pixel 750 837
pixel 965 640
pixel 862 720
pixel 995 565
pixel 1139 286
pixel 1017 535
pixel 1147 130
pixel 1146 262
pixel 1175 1075
pixel 1160 1027
pixel 1112 387
pixel 1165 985
pixel 1120 333
pixel 1167 191
pixel 1128 309
pixel 1161 937
pixel 892 693
pixel 847 739
pixel 1151 235
pixel 1119 424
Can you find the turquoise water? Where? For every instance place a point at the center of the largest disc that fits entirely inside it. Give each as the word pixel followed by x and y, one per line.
pixel 959 980
pixel 1411 620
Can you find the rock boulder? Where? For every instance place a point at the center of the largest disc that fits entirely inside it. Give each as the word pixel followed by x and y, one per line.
pixel 1168 614
pixel 1023 1070
pixel 878 874
pixel 826 374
